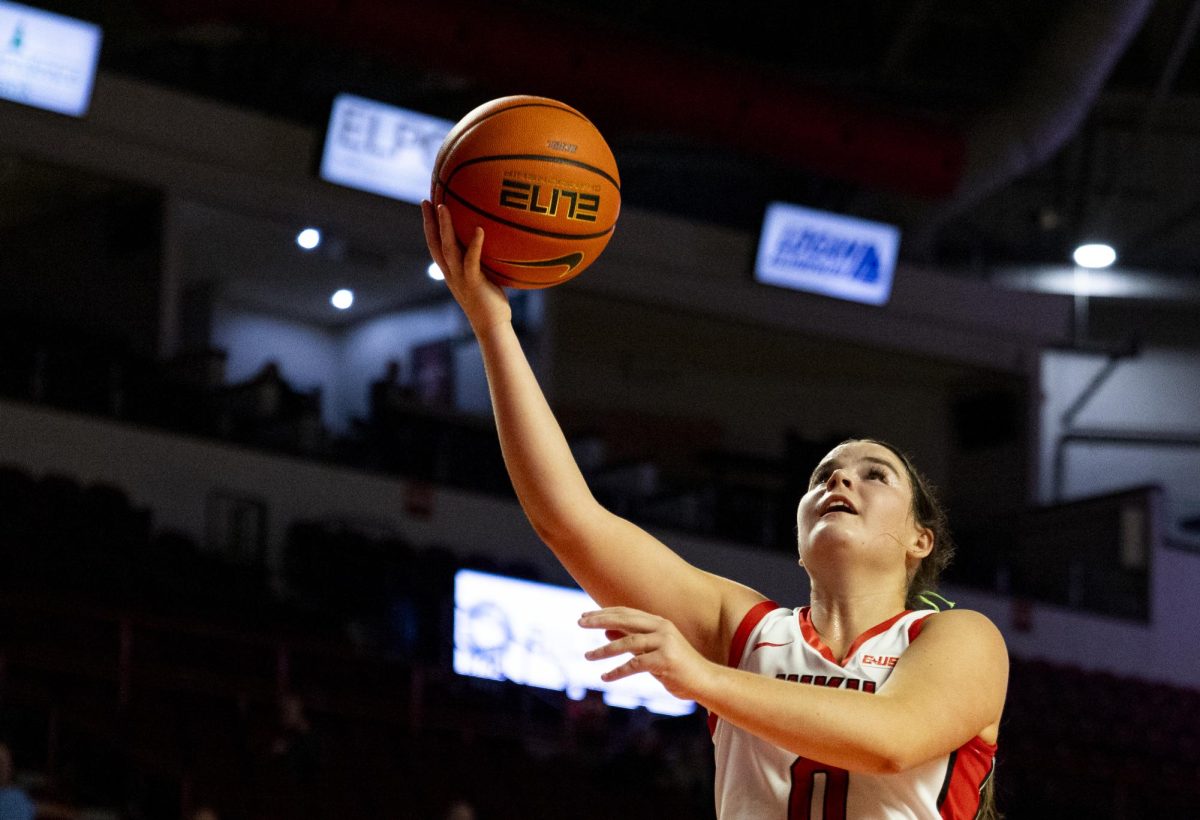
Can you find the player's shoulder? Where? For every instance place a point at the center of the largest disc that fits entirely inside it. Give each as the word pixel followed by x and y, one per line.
pixel 954 625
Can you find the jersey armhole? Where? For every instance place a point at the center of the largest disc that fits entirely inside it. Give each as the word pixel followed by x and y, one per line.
pixel 749 621
pixel 738 645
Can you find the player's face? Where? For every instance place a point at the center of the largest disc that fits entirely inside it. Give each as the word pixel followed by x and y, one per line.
pixel 859 496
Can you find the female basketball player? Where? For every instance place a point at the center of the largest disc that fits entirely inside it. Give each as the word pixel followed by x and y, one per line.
pixel 851 707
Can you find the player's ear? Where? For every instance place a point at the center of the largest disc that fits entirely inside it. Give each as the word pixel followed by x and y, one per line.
pixel 922 545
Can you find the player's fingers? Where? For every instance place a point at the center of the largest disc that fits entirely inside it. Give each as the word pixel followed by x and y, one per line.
pixel 433 238
pixel 637 644
pixel 474 253
pixel 621 618
pixel 636 664
pixel 613 613
pixel 451 253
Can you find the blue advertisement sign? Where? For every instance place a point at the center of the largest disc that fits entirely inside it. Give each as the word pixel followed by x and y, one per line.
pixel 828 254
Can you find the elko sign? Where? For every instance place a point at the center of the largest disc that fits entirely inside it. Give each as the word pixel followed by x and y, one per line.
pixel 830 254
pixel 381 149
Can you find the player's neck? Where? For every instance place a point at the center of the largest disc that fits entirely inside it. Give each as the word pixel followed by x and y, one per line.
pixel 840 616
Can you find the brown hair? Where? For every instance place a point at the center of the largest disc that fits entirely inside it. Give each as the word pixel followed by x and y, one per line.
pixel 987 800
pixel 927 512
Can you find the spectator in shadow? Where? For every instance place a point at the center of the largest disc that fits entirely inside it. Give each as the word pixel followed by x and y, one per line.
pixel 15 804
pixel 266 410
pixel 287 774
pixel 395 428
pixel 407 431
pixel 265 392
pixel 390 396
pixel 294 747
pixel 460 810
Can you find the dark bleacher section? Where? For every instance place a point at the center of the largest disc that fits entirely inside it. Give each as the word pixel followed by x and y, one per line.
pixel 143 675
pixel 1093 554
pixel 704 490
pixel 665 472
pixel 140 674
pixel 1092 744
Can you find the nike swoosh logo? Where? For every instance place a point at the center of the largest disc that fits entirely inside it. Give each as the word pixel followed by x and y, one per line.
pixel 571 260
pixel 761 644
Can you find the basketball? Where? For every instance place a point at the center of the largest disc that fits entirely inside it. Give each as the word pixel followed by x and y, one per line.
pixel 540 180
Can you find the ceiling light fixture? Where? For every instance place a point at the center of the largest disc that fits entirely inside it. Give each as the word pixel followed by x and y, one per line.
pixel 342 299
pixel 1095 255
pixel 309 238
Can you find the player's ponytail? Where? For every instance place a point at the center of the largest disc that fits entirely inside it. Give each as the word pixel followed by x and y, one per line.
pixel 987 800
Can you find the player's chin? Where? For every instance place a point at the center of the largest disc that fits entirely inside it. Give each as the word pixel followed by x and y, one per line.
pixel 832 532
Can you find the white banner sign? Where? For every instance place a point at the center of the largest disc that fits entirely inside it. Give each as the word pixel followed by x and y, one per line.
pixel 47 60
pixel 381 149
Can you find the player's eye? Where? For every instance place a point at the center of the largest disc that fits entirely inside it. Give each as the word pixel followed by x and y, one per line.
pixel 877 472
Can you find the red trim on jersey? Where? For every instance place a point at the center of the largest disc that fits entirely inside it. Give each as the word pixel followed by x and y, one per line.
pixel 752 619
pixel 972 766
pixel 813 638
pixel 914 629
pixel 738 645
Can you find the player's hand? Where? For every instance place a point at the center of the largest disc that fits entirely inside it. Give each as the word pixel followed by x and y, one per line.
pixel 482 301
pixel 657 647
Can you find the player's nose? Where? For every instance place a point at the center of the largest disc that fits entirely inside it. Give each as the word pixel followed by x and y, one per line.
pixel 838 478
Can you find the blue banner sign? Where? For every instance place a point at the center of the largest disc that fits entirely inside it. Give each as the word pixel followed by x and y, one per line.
pixel 829 254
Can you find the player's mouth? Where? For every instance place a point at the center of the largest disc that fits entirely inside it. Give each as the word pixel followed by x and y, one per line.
pixel 837 504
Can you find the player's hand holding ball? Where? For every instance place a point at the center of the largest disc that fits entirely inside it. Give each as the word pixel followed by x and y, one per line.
pixel 483 302
pixel 539 178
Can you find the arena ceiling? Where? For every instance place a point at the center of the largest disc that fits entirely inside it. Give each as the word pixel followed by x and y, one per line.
pixel 998 134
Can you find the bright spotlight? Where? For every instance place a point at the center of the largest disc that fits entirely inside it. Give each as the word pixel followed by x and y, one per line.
pixel 1094 256
pixel 308 238
pixel 435 273
pixel 342 299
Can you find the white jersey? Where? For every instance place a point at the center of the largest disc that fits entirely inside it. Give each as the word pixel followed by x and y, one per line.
pixel 759 781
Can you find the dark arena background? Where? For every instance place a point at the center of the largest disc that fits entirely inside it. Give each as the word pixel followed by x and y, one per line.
pixel 242 464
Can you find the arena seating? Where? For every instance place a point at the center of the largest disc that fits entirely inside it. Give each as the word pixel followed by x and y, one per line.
pixel 138 670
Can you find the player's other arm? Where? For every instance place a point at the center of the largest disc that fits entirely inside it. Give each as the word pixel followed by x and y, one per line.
pixel 617 562
pixel 947 687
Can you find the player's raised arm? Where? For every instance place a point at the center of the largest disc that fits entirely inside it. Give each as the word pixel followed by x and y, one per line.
pixel 617 562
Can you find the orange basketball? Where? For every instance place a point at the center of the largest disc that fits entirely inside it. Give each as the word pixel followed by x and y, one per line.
pixel 539 179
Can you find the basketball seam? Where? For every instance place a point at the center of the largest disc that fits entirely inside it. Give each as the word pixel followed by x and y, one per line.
pixel 471 126
pixel 543 157
pixel 517 225
pixel 563 108
pixel 534 282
